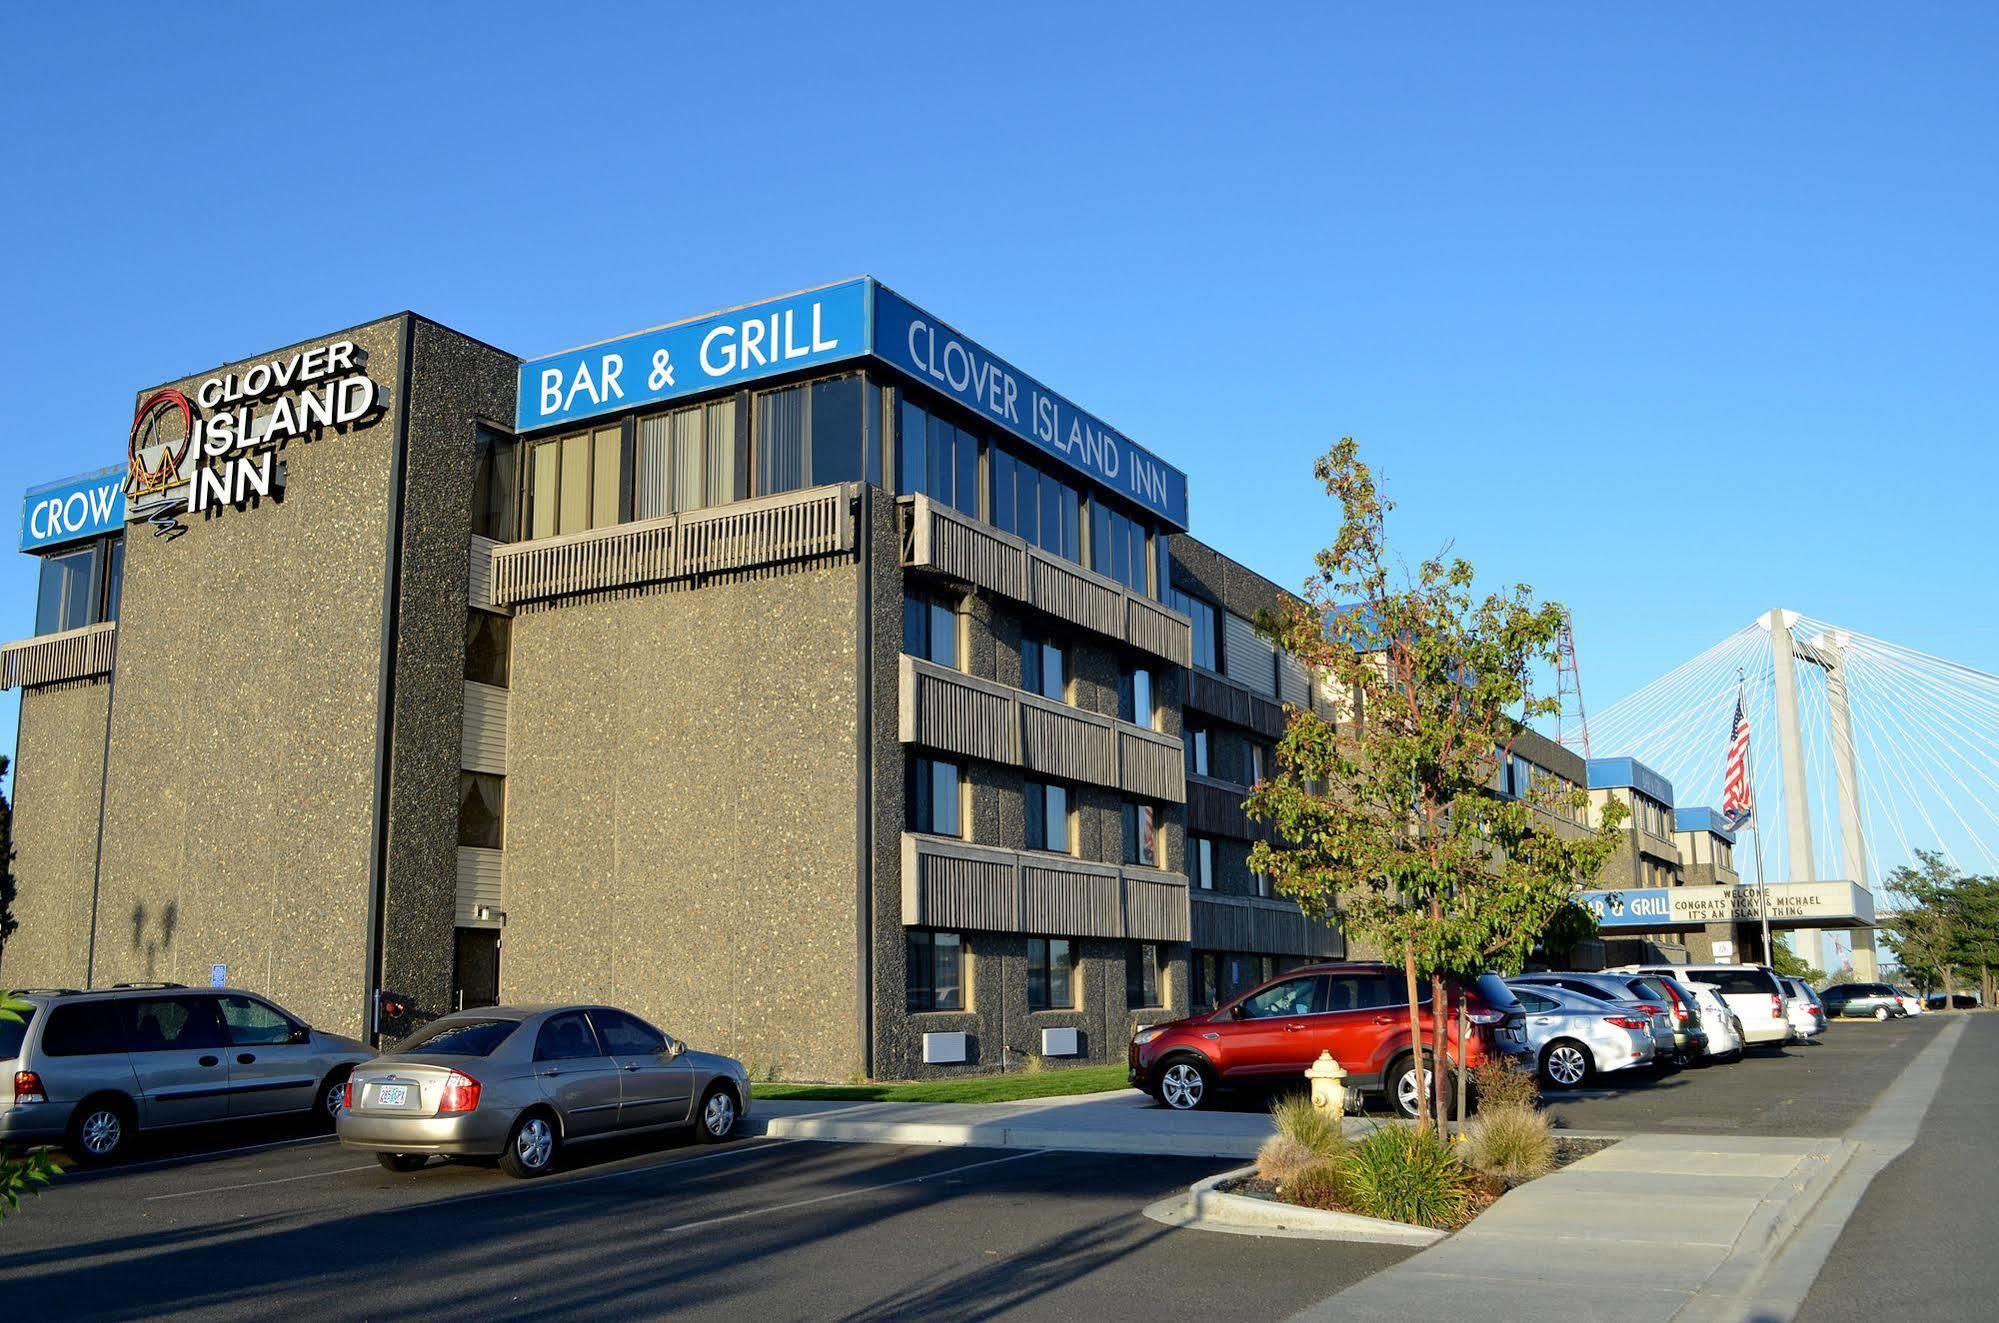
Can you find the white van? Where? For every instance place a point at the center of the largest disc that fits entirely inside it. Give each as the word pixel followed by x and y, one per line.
pixel 1751 991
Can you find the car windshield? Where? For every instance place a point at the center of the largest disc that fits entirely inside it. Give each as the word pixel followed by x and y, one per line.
pixel 13 1033
pixel 1740 982
pixel 458 1038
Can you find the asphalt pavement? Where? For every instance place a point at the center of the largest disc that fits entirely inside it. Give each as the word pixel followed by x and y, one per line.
pixel 760 1228
pixel 1920 1243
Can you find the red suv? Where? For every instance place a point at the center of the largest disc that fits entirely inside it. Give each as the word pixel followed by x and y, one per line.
pixel 1359 1013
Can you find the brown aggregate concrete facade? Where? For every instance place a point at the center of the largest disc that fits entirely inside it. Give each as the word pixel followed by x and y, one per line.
pixel 246 710
pixel 57 780
pixel 681 832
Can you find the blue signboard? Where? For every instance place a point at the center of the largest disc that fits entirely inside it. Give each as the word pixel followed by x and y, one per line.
pixel 1641 908
pixel 912 340
pixel 73 509
pixel 1629 774
pixel 760 340
pixel 218 976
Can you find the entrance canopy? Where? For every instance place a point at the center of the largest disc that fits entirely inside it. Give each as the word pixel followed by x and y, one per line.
pixel 1834 904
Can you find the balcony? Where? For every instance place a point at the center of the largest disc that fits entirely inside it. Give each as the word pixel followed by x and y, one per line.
pixel 952 712
pixel 936 537
pixel 74 654
pixel 1214 808
pixel 1268 927
pixel 1226 700
pixel 770 530
pixel 954 885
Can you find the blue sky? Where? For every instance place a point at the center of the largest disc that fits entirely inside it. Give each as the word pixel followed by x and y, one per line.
pixel 1677 316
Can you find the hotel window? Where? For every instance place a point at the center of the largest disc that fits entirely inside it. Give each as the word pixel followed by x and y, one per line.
pixel 482 803
pixel 1207 639
pixel 810 435
pixel 1206 968
pixel 495 484
pixel 488 636
pixel 1036 507
pixel 936 797
pixel 1051 974
pixel 930 629
pixel 1044 667
pixel 936 972
pixel 1134 698
pixel 938 459
pixel 1048 818
pixel 1141 976
pixel 689 459
pixel 1141 835
pixel 1724 854
pixel 1201 862
pixel 1259 762
pixel 80 587
pixel 1118 548
pixel 1194 739
pixel 575 482
pixel 1262 881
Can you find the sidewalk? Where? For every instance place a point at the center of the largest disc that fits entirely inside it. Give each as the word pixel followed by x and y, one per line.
pixel 1123 1122
pixel 1630 1233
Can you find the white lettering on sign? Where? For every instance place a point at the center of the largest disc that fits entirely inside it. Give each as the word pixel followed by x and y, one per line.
pixel 756 342
pixel 966 371
pixel 59 516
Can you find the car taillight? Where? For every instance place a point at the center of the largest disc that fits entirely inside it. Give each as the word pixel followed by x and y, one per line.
pixel 1626 1022
pixel 461 1094
pixel 28 1087
pixel 1487 1018
pixel 1776 1007
pixel 1650 1009
pixel 347 1096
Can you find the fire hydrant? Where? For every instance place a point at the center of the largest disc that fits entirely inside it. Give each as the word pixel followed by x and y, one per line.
pixel 1329 1094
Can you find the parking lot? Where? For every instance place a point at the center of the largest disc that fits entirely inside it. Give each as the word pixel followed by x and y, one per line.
pixel 206 1227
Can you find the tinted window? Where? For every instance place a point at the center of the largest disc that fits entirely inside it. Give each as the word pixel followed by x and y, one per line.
pixel 566 1037
pixel 175 1024
pixel 252 1023
pixel 1535 1002
pixel 1294 996
pixel 627 1035
pixel 1356 992
pixel 458 1038
pixel 1740 982
pixel 12 1033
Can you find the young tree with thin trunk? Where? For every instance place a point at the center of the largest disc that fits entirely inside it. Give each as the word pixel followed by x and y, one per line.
pixel 1385 810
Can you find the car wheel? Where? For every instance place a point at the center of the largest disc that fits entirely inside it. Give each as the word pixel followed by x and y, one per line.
pixel 1566 1064
pixel 1184 1085
pixel 531 1146
pixel 332 1096
pixel 402 1162
pixel 1880 1012
pixel 1401 1087
pixel 101 1130
pixel 719 1114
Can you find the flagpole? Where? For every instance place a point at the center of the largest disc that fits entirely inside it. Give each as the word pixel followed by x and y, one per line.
pixel 1755 821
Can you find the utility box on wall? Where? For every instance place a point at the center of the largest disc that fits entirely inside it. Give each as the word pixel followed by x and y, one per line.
pixel 1061 1043
pixel 943 1049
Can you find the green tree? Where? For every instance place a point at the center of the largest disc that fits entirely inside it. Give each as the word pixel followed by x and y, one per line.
pixel 8 923
pixel 30 1171
pixel 1932 934
pixel 1386 814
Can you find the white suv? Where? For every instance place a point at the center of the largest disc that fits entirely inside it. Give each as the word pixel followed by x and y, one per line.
pixel 1751 991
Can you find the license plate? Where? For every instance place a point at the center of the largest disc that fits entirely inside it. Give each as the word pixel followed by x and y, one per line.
pixel 392 1095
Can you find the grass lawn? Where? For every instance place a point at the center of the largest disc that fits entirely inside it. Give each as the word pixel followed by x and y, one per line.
pixel 977 1089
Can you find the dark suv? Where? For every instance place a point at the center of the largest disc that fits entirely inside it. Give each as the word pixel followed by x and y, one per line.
pixel 92 1069
pixel 1269 1035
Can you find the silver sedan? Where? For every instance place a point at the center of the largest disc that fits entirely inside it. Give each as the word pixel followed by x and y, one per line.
pixel 1575 1038
pixel 521 1082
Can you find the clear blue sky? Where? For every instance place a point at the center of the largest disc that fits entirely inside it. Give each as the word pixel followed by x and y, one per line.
pixel 1677 316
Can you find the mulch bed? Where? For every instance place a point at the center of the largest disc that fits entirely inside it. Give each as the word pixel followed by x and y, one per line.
pixel 1485 1190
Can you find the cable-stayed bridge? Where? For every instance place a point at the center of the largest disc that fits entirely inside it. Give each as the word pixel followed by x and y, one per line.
pixel 1862 751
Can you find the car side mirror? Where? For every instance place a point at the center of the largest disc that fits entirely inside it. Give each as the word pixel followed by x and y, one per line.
pixel 1235 1011
pixel 301 1033
pixel 674 1049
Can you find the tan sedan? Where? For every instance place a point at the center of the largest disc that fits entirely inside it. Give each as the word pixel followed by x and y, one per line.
pixel 521 1082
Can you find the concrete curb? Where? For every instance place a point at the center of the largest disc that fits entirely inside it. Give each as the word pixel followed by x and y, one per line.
pixel 1207 1207
pixel 988 1134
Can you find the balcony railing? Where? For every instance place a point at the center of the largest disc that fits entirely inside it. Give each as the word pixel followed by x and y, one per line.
pixel 1253 923
pixel 74 654
pixel 952 884
pixel 950 711
pixel 939 538
pixel 1214 808
pixel 770 530
pixel 1220 697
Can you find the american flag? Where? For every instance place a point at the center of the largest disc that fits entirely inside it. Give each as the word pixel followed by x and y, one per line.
pixel 1737 801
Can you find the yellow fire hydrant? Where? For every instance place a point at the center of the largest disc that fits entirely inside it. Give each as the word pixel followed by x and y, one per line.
pixel 1329 1094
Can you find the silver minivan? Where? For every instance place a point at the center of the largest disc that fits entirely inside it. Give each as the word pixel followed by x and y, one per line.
pixel 90 1070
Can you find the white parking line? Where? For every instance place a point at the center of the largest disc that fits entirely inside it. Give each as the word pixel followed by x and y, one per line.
pixel 251 1185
